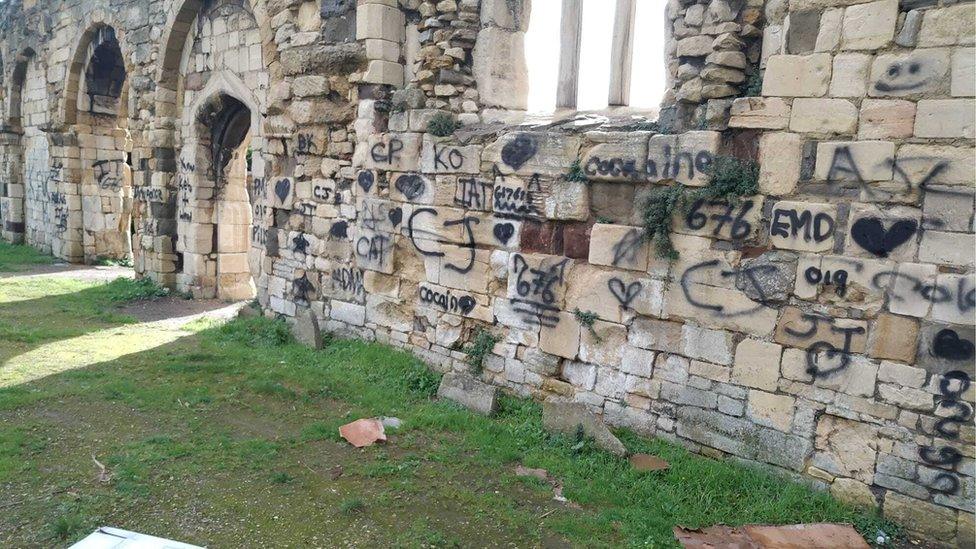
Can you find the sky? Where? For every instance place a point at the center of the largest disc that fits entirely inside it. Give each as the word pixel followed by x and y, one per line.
pixel 542 54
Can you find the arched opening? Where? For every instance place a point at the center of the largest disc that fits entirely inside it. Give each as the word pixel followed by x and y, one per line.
pixel 214 205
pixel 104 149
pixel 12 188
pixel 42 206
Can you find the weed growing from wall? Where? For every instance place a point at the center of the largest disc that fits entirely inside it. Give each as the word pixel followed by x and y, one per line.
pixel 587 319
pixel 442 125
pixel 731 179
pixel 481 346
pixel 576 172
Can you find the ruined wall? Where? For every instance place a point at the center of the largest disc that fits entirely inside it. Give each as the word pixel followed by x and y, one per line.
pixel 823 326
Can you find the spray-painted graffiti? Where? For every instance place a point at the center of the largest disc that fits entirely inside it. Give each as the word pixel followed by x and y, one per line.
pixel 536 289
pixel 446 300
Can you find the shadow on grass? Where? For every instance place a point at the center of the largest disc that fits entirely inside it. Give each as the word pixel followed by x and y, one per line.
pixel 233 432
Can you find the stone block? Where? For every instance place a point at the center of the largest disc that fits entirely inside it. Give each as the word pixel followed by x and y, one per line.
pixel 771 410
pixel 757 364
pixel 567 201
pixel 659 335
pixel 891 232
pixel 547 154
pixel 869 26
pixel 963 82
pixel 438 156
pixel 619 246
pixel 854 161
pixel 467 391
pixel 384 72
pixel 947 26
pixel 920 517
pixel 399 152
pixel 893 337
pixel 853 492
pixel 742 437
pixel 828 37
pixel 719 307
pixel 604 344
pixel 936 164
pixel 568 417
pixel 945 348
pixel 917 72
pixel 944 248
pixel 707 344
pixel 846 448
pixel 500 69
pixel 823 116
pixel 615 156
pixel 780 154
pixel 685 158
pixel 803 226
pixel 946 118
pixel 770 113
pixel 562 339
pixel 380 21
pixel 850 75
pixel 881 119
pixel 348 313
pixel 797 75
pixel 637 361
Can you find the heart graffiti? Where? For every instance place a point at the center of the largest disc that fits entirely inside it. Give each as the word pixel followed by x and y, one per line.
pixel 282 188
pixel 625 293
pixel 411 185
pixel 518 151
pixel 870 234
pixel 504 232
pixel 396 216
pixel 366 180
pixel 948 345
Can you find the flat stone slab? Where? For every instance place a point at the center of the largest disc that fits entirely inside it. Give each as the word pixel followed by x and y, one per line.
pixel 567 417
pixel 469 392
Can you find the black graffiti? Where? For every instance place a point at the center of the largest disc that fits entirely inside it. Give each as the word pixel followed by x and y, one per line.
pixel 520 150
pixel 381 152
pixel 469 244
pixel 788 223
pixel 411 185
pixel 750 273
pixel 843 166
pixel 625 293
pixel 739 228
pixel 842 356
pixel 60 202
pixel 447 302
pixel 349 280
pixel 282 188
pixel 326 194
pixel 517 202
pixel 472 193
pixel 952 386
pixel 107 179
pixel 306 144
pixel 147 194
pixel 627 248
pixel 964 297
pixel 395 216
pixel 259 235
pixel 700 162
pixel 838 278
pixel 536 289
pixel 339 229
pixel 452 161
pixel 869 233
pixel 372 248
pixel 259 188
pixel 300 244
pixel 260 211
pixel 615 167
pixel 901 76
pixel 301 287
pixel 503 232
pixel 948 345
pixel 365 180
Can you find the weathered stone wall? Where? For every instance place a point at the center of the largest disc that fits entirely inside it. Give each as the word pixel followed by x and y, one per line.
pixel 823 327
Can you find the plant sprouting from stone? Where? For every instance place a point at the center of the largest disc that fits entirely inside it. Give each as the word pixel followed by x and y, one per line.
pixel 442 125
pixel 731 179
pixel 587 319
pixel 576 172
pixel 481 345
pixel 657 211
pixel 753 85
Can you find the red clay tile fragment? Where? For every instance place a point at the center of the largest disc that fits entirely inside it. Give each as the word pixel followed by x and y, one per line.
pixel 363 432
pixel 757 536
pixel 647 462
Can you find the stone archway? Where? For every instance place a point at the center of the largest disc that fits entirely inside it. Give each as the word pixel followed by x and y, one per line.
pixel 98 111
pixel 12 193
pixel 214 203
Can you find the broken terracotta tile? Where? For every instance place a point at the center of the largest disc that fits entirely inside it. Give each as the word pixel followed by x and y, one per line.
pixel 757 536
pixel 363 432
pixel 647 462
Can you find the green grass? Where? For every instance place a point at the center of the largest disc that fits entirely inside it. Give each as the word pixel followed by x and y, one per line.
pixel 228 437
pixel 15 258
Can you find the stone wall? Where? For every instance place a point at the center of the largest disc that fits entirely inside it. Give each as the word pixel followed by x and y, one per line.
pixel 822 327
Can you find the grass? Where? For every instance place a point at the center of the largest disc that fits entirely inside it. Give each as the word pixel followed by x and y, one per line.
pixel 19 258
pixel 228 437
